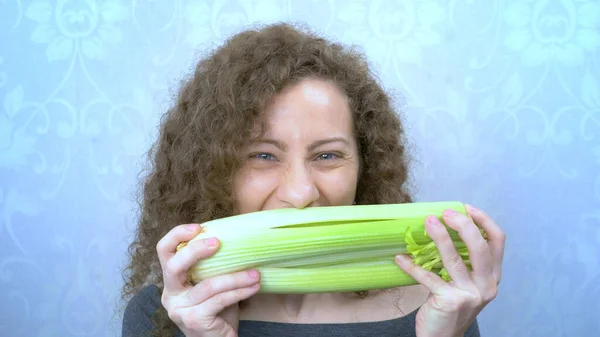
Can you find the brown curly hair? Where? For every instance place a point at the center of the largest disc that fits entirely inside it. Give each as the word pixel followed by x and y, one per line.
pixel 203 135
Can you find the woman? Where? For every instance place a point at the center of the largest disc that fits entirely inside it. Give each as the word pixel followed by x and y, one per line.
pixel 279 117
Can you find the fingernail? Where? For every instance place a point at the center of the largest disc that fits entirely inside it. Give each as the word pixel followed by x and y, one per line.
pixel 431 225
pixel 472 209
pixel 192 227
pixel 450 212
pixel 253 274
pixel 403 259
pixel 211 242
pixel 432 221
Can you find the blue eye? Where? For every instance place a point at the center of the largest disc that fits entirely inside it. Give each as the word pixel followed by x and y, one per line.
pixel 327 156
pixel 264 156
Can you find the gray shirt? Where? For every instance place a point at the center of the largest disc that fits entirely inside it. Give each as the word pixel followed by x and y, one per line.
pixel 137 322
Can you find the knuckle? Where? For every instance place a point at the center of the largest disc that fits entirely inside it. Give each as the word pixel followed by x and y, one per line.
pixel 430 278
pixel 220 301
pixel 194 254
pixel 208 287
pixel 455 261
pixel 237 280
pixel 197 245
pixel 174 315
pixel 165 300
pixel 243 279
pixel 475 301
pixel 198 250
pixel 445 239
pixel 463 302
pixel 487 298
pixel 461 222
pixel 483 247
pixel 481 214
pixel 189 320
pixel 478 300
pixel 451 302
pixel 502 237
pixel 498 277
pixel 490 294
pixel 240 294
pixel 170 268
pixel 160 246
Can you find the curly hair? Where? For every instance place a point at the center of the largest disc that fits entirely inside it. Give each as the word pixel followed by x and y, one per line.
pixel 202 136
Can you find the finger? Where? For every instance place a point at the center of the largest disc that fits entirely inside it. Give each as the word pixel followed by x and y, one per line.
pixel 167 246
pixel 218 303
pixel 175 269
pixel 479 250
pixel 496 238
pixel 451 260
pixel 219 284
pixel 434 283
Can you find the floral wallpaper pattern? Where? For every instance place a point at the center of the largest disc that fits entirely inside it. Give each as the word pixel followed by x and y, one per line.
pixel 501 100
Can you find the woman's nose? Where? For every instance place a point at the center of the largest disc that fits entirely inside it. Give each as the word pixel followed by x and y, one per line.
pixel 298 188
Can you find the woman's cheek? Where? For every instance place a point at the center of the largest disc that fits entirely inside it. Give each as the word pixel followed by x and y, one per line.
pixel 338 186
pixel 253 189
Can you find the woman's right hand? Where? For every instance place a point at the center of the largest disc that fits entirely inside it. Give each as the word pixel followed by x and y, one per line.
pixel 209 308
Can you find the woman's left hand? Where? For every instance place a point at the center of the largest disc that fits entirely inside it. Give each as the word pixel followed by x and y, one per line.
pixel 453 306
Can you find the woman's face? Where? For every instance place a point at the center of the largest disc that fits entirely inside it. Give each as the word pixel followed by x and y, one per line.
pixel 308 156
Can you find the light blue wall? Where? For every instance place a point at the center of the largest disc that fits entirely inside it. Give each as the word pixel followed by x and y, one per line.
pixel 502 106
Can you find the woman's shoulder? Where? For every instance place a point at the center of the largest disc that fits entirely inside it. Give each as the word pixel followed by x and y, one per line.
pixel 147 297
pixel 140 310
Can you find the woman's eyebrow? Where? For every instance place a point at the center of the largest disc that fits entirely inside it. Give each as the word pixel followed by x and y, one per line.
pixel 278 144
pixel 320 142
pixel 283 147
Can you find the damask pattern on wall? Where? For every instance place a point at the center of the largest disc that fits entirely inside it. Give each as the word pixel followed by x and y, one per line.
pixel 501 101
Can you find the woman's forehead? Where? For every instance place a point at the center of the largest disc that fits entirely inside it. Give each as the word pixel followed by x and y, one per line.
pixel 310 103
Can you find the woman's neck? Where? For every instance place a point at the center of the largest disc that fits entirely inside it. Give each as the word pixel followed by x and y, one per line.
pixel 333 307
pixel 295 308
